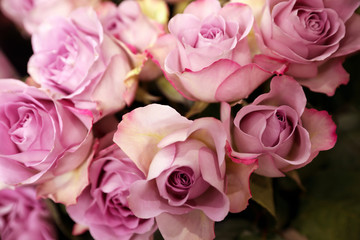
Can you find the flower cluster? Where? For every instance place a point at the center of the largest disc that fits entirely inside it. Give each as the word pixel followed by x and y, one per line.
pixel 85 130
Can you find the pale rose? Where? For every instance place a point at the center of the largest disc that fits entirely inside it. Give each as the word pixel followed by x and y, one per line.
pixel 206 56
pixel 75 60
pixel 184 165
pixel 29 14
pixel 314 36
pixel 278 131
pixel 23 216
pixel 40 137
pixel 127 23
pixel 103 206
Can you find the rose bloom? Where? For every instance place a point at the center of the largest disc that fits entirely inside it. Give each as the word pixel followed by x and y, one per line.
pixel 103 206
pixel 314 36
pixel 40 137
pixel 129 24
pixel 184 165
pixel 75 60
pixel 29 14
pixel 23 216
pixel 206 56
pixel 278 131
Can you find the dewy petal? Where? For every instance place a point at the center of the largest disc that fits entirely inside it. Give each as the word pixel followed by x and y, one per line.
pixel 284 90
pixel 203 8
pixel 142 129
pixel 193 225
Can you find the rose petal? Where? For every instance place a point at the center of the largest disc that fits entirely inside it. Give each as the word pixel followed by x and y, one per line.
pixel 284 90
pixel 321 128
pixel 193 225
pixel 238 185
pixel 203 8
pixel 330 76
pixel 142 129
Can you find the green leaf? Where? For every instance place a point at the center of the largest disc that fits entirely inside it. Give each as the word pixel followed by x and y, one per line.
pixel 262 192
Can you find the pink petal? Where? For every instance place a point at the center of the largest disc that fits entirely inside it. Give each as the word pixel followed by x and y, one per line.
pixel 142 129
pixel 298 70
pixel 145 201
pixel 181 24
pixel 241 14
pixel 284 90
pixel 115 75
pixel 193 225
pixel 321 128
pixel 330 76
pixel 344 8
pixel 351 42
pixel 67 187
pixel 238 185
pixel 268 167
pixel 241 83
pixel 203 8
pixel 204 84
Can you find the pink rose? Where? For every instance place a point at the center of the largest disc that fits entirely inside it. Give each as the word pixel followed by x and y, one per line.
pixel 127 23
pixel 206 56
pixel 75 60
pixel 278 131
pixel 40 138
pixel 103 206
pixel 314 36
pixel 29 14
pixel 23 216
pixel 184 165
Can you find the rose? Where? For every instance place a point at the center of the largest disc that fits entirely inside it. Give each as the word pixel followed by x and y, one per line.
pixel 40 137
pixel 184 165
pixel 29 14
pixel 127 23
pixel 75 60
pixel 278 131
pixel 103 206
pixel 314 36
pixel 206 55
pixel 22 215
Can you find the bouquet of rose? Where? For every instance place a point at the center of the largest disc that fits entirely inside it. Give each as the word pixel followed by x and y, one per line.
pixel 148 116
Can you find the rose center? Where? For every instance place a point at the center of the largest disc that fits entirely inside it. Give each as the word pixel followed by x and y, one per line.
pixel 314 23
pixel 210 32
pixel 180 181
